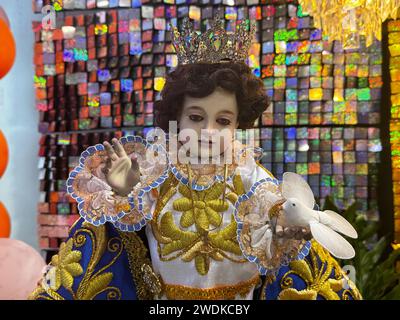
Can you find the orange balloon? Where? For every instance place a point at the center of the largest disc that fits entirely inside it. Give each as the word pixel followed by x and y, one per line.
pixel 3 16
pixel 7 49
pixel 5 223
pixel 3 154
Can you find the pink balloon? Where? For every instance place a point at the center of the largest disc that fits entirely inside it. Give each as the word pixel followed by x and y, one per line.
pixel 20 269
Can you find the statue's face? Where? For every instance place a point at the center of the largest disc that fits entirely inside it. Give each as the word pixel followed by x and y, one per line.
pixel 208 124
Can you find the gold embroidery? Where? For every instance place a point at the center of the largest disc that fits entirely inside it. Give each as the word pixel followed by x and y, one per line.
pixel 167 190
pixel 40 293
pixel 223 292
pixel 203 209
pixel 236 187
pixel 286 282
pixel 65 266
pixel 353 292
pixel 293 294
pixel 226 238
pixel 37 294
pixel 151 279
pixel 316 275
pixel 93 283
pixel 193 241
pixel 178 239
pixel 122 207
pixel 137 257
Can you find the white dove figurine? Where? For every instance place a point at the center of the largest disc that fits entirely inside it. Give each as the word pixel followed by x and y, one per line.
pixel 324 225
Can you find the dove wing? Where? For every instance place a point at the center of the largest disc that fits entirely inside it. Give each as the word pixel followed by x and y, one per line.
pixel 294 186
pixel 340 224
pixel 332 241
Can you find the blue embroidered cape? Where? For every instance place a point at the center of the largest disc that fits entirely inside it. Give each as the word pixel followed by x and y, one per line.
pixel 101 262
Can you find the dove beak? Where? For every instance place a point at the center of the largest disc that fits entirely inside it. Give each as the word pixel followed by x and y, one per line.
pixel 281 203
pixel 275 209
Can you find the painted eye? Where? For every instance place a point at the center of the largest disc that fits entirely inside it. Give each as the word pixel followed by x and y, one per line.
pixel 224 122
pixel 293 204
pixel 195 117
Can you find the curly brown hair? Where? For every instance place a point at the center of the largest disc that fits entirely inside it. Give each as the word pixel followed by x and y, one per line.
pixel 201 79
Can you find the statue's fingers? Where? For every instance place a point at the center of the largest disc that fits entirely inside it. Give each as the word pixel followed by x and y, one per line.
pixel 122 165
pixel 307 234
pixel 105 171
pixel 119 149
pixel 135 164
pixel 279 231
pixel 288 232
pixel 110 151
pixel 108 163
pixel 298 235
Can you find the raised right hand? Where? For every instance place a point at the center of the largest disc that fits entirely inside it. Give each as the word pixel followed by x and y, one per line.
pixel 121 172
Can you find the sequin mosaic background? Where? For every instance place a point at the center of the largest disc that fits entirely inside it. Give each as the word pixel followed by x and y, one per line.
pixel 322 123
pixel 394 50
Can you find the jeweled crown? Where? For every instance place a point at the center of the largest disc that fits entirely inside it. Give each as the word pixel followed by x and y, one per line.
pixel 215 45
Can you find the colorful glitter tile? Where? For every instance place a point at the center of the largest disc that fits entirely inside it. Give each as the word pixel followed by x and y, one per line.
pixel 113 69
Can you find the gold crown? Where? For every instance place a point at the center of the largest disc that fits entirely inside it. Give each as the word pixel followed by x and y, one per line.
pixel 215 45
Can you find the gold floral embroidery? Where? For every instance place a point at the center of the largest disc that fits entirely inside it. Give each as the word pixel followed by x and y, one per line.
pixel 204 210
pixel 293 294
pixel 66 266
pixel 167 190
pixel 40 293
pixel 94 283
pixel 236 188
pixel 316 274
